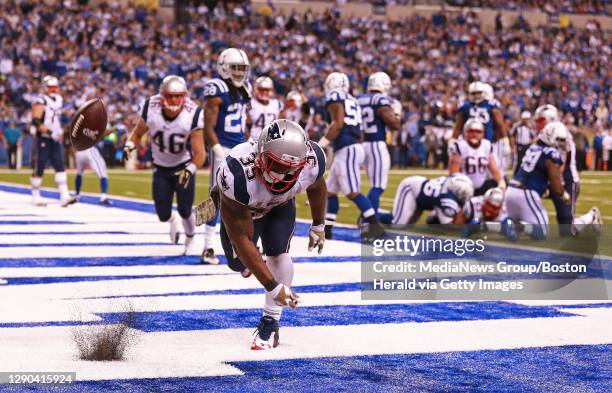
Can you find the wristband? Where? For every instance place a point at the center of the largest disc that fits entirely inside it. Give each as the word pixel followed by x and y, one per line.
pixel 317 228
pixel 191 167
pixel 130 145
pixel 323 142
pixel 218 150
pixel 318 222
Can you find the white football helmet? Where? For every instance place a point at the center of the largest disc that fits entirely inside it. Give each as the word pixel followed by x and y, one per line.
pixel 544 115
pixel 294 99
pixel 476 92
pixel 281 154
pixel 555 135
pixel 173 92
pixel 233 64
pixel 473 131
pixel 336 81
pixel 461 186
pixel 379 81
pixel 263 88
pixel 488 92
pixel 51 84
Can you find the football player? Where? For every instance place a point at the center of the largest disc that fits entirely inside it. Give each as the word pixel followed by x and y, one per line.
pixel 377 114
pixel 488 213
pixel 444 195
pixel 540 169
pixel 91 157
pixel 257 183
pixel 569 224
pixel 46 121
pixel 226 100
pixel 264 108
pixel 473 156
pixel 482 106
pixel 298 109
pixel 344 133
pixel 176 126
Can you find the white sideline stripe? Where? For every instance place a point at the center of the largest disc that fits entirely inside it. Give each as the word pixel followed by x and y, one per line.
pixel 53 349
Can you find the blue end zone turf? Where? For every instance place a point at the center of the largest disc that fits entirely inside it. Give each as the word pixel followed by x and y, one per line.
pixel 572 368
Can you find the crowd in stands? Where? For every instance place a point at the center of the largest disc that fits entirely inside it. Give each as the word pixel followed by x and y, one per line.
pixel 121 53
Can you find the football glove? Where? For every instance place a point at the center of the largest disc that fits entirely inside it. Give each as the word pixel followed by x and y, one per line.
pixel 185 174
pixel 127 149
pixel 316 237
pixel 284 296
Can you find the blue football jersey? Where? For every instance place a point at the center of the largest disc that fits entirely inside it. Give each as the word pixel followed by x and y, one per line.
pixel 533 174
pixel 351 131
pixel 231 122
pixel 373 125
pixel 435 194
pixel 483 112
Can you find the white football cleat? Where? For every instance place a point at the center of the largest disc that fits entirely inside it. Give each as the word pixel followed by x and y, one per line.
pixel 208 257
pixel 39 203
pixel 597 220
pixel 3 281
pixel 68 201
pixel 266 334
pixel 174 231
pixel 190 245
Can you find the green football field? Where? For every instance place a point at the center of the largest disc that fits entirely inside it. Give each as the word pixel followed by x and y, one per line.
pixel 596 190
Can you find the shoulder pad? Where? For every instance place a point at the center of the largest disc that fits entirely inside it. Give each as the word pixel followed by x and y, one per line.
pixel 215 87
pixel 335 96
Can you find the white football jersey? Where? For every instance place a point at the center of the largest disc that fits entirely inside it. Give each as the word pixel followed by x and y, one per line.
pixel 170 138
pixel 237 180
pixel 474 161
pixel 472 210
pixel 263 114
pixel 52 116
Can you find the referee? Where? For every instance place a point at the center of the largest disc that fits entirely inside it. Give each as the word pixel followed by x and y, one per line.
pixel 522 135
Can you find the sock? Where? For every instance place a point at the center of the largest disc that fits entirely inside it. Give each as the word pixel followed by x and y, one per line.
pixel 189 225
pixel 282 269
pixel 61 181
pixel 333 206
pixel 364 205
pixel 209 236
pixel 374 197
pixel 385 218
pixel 173 216
pixel 78 182
pixel 581 222
pixel 104 185
pixel 36 181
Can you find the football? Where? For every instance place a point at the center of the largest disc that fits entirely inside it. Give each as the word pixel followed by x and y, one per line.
pixel 88 124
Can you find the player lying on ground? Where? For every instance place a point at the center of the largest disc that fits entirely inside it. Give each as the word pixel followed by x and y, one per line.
pixel 488 213
pixel 445 195
pixel 256 185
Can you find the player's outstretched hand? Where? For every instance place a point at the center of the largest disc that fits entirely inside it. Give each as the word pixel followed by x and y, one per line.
pixel 316 237
pixel 185 174
pixel 127 150
pixel 284 296
pixel 566 198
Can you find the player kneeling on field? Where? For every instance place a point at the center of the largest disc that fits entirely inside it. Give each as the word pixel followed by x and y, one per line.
pixel 444 195
pixel 256 185
pixel 488 213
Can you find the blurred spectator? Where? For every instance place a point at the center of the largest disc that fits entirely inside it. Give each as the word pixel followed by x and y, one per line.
pixel 598 148
pixel 12 134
